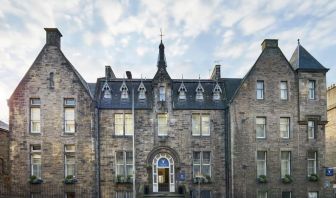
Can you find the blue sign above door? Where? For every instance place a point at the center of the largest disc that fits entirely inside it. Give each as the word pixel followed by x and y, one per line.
pixel 163 162
pixel 329 171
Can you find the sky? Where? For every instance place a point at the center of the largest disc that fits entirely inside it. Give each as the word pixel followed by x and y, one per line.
pixel 197 35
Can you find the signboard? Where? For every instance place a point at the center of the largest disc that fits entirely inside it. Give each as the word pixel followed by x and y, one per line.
pixel 329 171
pixel 326 184
pixel 163 162
pixel 182 176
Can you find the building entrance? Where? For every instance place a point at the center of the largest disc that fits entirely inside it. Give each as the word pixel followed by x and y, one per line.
pixel 163 173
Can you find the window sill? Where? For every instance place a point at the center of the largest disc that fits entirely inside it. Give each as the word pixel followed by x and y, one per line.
pixel 35 133
pixel 122 136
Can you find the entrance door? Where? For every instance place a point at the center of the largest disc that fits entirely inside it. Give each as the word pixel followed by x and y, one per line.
pixel 163 173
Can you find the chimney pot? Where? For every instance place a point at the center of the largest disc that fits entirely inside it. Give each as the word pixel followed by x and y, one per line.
pixel 53 37
pixel 269 43
pixel 129 75
pixel 108 72
pixel 216 73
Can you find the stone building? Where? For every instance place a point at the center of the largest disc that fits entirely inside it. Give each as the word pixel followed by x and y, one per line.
pixel 216 136
pixel 331 131
pixel 278 115
pixel 4 155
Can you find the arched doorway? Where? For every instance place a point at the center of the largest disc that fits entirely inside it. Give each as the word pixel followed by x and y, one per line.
pixel 163 173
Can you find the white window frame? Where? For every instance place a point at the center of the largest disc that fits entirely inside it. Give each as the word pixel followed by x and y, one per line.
pixel 35 119
pixel 260 89
pixel 313 194
pixel 262 194
pixel 162 93
pixel 261 163
pixel 36 154
pixel 285 163
pixel 283 90
pixel 201 163
pixel 285 124
pixel 263 124
pixel 123 124
pixel 67 162
pixel 311 89
pixel 311 129
pixel 123 164
pixel 312 161
pixel 290 194
pixel 69 121
pixel 162 119
pixel 201 125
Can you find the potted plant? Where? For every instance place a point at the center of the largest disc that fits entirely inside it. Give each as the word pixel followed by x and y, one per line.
pixel 129 179
pixel 34 180
pixel 120 179
pixel 207 179
pixel 70 179
pixel 287 179
pixel 262 179
pixel 313 177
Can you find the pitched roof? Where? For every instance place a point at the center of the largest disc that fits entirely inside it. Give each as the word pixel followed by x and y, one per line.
pixel 4 126
pixel 303 60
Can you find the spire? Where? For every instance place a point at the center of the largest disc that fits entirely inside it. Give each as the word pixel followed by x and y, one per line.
pixel 162 58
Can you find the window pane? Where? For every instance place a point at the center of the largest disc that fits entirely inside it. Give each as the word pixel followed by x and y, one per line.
pixel 69 101
pixel 36 165
pixel 312 194
pixel 286 194
pixel 206 170
pixel 260 127
pixel 285 163
pixel 205 125
pixel 120 157
pixel 70 148
pixel 312 165
pixel 162 124
pixel 197 158
pixel 69 165
pixel 35 119
pixel 283 90
pixel 35 101
pixel 284 127
pixel 162 94
pixel 129 158
pixel 311 89
pixel 69 119
pixel 196 120
pixel 311 129
pixel 260 89
pixel 262 194
pixel 261 163
pixel 206 157
pixel 128 124
pixel 118 124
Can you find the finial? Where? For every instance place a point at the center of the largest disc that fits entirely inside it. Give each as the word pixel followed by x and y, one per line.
pixel 298 41
pixel 161 35
pixel 182 76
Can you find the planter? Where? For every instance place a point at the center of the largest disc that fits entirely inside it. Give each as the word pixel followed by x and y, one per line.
pixel 262 179
pixel 287 179
pixel 124 180
pixel 34 180
pixel 313 178
pixel 70 179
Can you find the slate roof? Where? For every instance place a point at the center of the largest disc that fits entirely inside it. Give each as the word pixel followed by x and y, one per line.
pixel 228 86
pixel 4 126
pixel 92 87
pixel 303 60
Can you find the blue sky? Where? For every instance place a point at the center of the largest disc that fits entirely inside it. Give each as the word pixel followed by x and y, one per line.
pixel 125 35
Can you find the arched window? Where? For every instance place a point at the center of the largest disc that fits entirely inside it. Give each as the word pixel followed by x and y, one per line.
pixel 199 91
pixel 124 91
pixel 106 91
pixel 142 91
pixel 182 92
pixel 216 92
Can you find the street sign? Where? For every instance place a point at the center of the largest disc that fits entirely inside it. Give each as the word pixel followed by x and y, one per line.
pixel 329 171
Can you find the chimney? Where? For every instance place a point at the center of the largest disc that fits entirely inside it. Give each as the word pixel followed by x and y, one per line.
pixel 53 37
pixel 269 43
pixel 216 73
pixel 108 72
pixel 129 75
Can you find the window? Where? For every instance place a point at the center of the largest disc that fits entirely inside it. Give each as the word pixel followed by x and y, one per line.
pixel 69 115
pixel 285 163
pixel 260 89
pixel 311 129
pixel 216 92
pixel 70 195
pixel 142 91
pixel 124 164
pixel 51 80
pixel 107 91
pixel 123 124
pixel 124 194
pixel 312 162
pixel 311 89
pixel 182 92
pixel 286 195
pixel 202 163
pixel 199 91
pixel 284 127
pixel 35 151
pixel 162 93
pixel 200 124
pixel 35 115
pixel 283 90
pixel 162 125
pixel 312 194
pixel 124 91
pixel 262 194
pixel 69 160
pixel 261 127
pixel 261 163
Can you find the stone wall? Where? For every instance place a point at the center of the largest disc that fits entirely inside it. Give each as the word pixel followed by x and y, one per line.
pixel 4 157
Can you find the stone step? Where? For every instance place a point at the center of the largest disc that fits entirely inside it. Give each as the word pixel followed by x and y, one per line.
pixel 164 194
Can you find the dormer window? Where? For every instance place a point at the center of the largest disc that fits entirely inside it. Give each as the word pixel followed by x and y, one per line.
pixel 162 93
pixel 182 92
pixel 142 91
pixel 199 92
pixel 216 92
pixel 106 91
pixel 124 91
